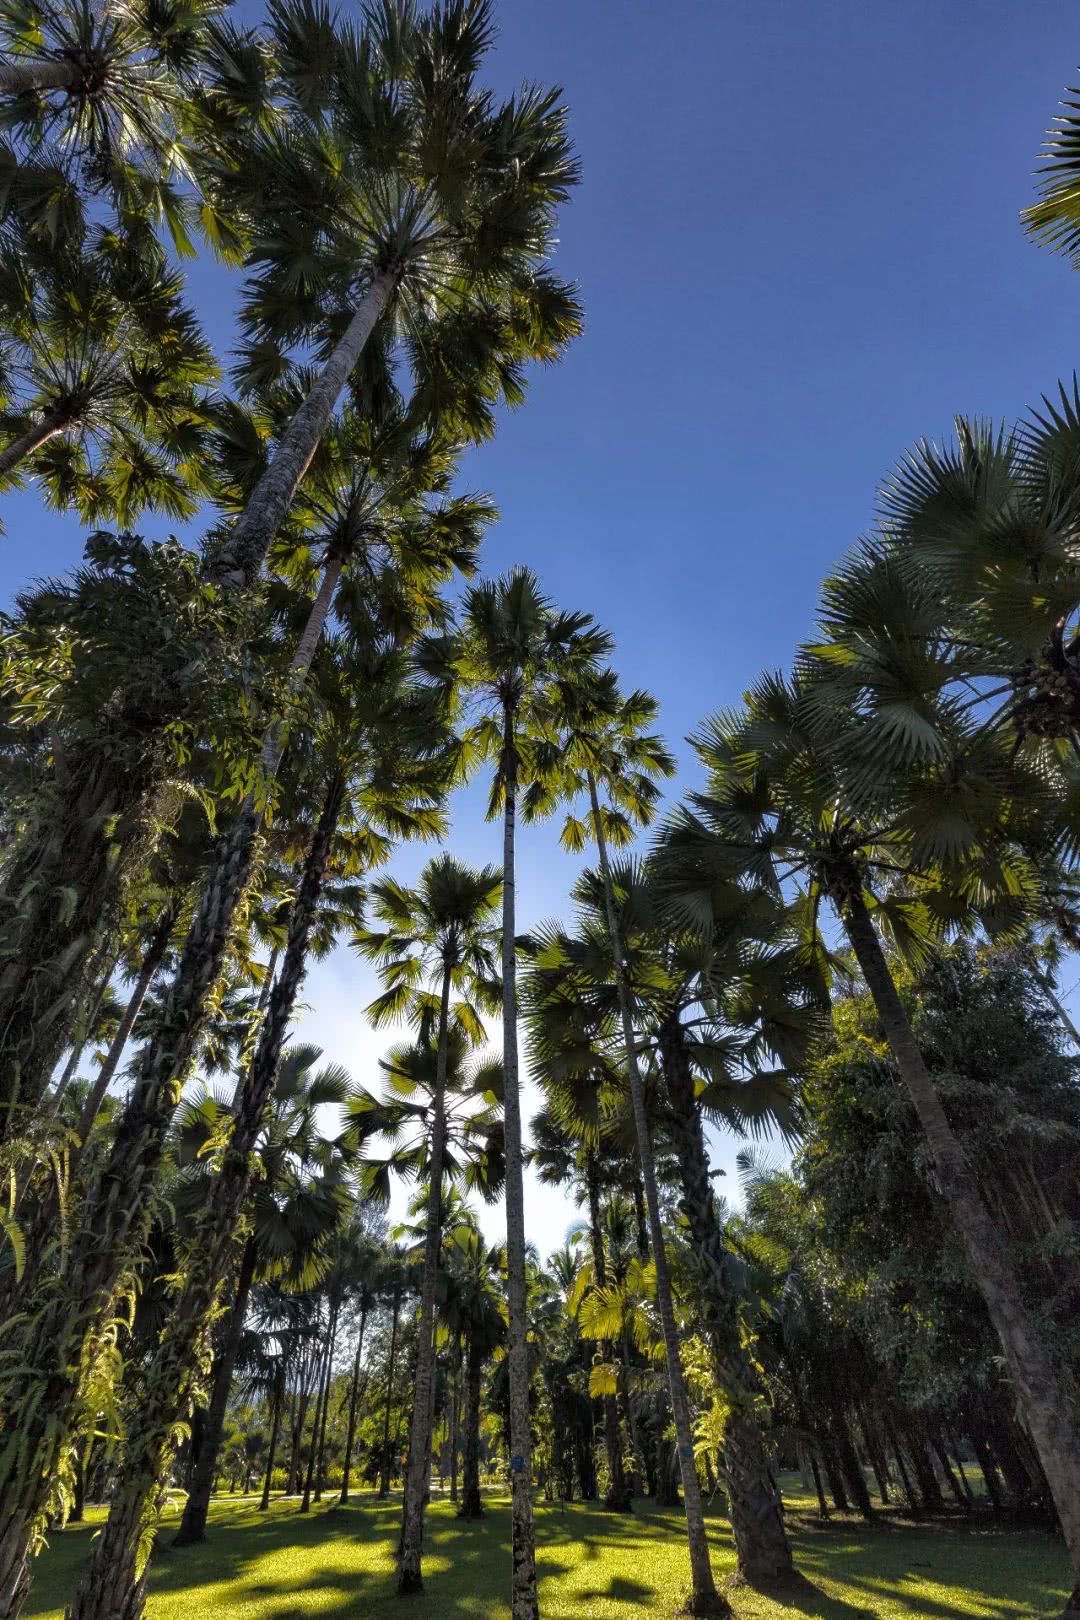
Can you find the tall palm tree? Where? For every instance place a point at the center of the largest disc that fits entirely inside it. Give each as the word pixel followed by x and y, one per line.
pixel 783 803
pixel 1054 220
pixel 442 207
pixel 437 939
pixel 511 645
pixel 473 1308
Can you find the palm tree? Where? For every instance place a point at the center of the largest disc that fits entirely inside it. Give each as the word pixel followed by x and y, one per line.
pixel 366 1260
pixel 443 208
pixel 295 1207
pixel 558 1158
pixel 473 1309
pixel 437 939
pixel 106 371
pixel 1053 220
pixel 511 646
pixel 780 805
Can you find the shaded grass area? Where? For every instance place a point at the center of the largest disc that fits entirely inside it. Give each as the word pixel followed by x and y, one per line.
pixel 338 1564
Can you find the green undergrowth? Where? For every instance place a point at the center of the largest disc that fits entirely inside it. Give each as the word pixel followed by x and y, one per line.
pixel 338 1564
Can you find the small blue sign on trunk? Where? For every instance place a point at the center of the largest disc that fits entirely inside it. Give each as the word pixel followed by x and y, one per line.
pixel 517 1465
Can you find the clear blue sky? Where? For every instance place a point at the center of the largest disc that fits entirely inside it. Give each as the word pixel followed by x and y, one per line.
pixel 798 246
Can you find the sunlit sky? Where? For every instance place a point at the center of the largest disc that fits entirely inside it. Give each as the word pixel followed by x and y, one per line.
pixel 798 245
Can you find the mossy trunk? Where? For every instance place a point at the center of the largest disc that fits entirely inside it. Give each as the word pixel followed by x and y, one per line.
pixel 172 1379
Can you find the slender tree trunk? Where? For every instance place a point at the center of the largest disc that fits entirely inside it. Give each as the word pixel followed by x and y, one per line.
pixel 1041 1387
pixel 946 1467
pixel 350 1435
pixel 877 1461
pixel 169 1382
pixel 757 1515
pixel 454 1403
pixel 384 1473
pixel 618 1492
pixel 823 1506
pixel 52 422
pixel 524 1601
pixel 410 1576
pixel 704 1598
pixel 275 1425
pixel 197 1507
pixel 322 1396
pixel 630 1419
pixel 320 1463
pixel 240 558
pixel 901 1466
pixel 471 1505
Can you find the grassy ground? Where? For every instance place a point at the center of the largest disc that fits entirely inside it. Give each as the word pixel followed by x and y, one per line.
pixel 337 1564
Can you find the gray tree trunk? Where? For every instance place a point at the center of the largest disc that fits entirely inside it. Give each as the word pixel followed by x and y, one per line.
pixel 410 1575
pixel 16 78
pixel 524 1600
pixel 471 1505
pixel 704 1598
pixel 241 557
pixel 1042 1389
pixel 384 1471
pixel 354 1392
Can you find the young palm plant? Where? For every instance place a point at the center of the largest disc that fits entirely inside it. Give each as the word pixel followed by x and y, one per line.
pixel 438 938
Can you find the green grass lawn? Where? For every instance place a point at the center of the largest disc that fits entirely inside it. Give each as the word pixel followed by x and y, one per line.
pixel 338 1563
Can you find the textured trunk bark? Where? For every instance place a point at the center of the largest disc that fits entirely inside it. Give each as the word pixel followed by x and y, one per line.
pixel 322 1397
pixel 171 1379
pixel 704 1598
pixel 471 1505
pixel 757 1516
pixel 350 1435
pixel 275 1425
pixel 197 1507
pixel 410 1575
pixel 617 1498
pixel 16 78
pixel 241 557
pixel 1041 1387
pixel 48 426
pixel 384 1472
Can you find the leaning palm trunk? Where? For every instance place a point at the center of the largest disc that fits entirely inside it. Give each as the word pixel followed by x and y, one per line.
pixel 114 1583
pixel 704 1598
pixel 102 829
pixel 410 1575
pixel 39 1408
pixel 197 1507
pixel 471 1505
pixel 524 1601
pixel 1043 1393
pixel 618 1497
pixel 757 1514
pixel 45 428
